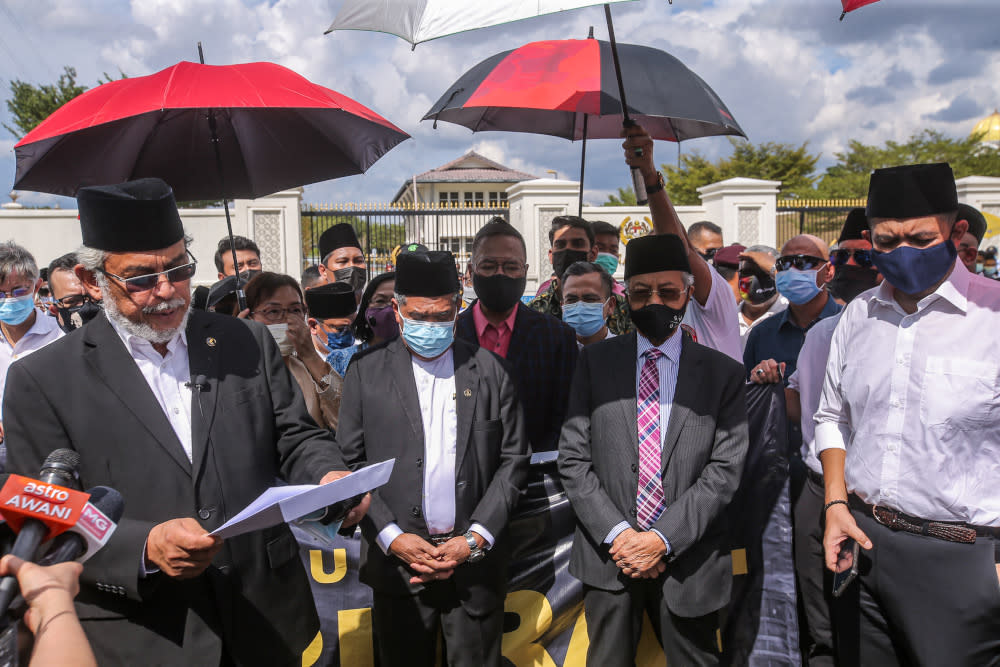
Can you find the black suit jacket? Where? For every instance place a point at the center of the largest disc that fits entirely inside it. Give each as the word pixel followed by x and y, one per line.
pixel 380 420
pixel 249 427
pixel 541 358
pixel 703 453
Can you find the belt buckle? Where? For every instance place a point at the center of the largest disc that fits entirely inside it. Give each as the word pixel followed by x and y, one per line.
pixel 885 516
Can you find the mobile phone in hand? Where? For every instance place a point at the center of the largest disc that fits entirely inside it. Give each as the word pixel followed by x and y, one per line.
pixel 847 566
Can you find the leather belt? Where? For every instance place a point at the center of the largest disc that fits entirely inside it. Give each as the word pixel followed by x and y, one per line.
pixel 816 477
pixel 441 538
pixel 943 530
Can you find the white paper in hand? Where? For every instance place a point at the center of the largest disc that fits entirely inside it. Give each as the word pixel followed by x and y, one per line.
pixel 281 504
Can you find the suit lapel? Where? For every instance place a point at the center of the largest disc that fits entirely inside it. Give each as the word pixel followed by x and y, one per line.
pixel 466 397
pixel 624 377
pixel 108 356
pixel 400 374
pixel 521 334
pixel 687 370
pixel 204 364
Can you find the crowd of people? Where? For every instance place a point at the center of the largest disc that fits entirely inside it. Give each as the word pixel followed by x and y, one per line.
pixel 191 402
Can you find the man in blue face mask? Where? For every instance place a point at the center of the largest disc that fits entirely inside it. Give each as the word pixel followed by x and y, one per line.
pixel 435 553
pixel 586 301
pixel 907 432
pixel 331 313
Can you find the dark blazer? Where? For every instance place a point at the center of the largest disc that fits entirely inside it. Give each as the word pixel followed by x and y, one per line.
pixel 250 426
pixel 703 453
pixel 380 419
pixel 541 358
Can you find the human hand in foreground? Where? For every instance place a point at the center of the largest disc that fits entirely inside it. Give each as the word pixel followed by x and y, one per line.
pixel 639 554
pixel 840 526
pixel 768 371
pixel 181 548
pixel 357 512
pixel 428 561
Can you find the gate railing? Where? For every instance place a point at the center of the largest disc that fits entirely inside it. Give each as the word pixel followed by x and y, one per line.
pixel 820 217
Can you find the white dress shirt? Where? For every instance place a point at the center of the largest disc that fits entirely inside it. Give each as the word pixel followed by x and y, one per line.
pixel 915 400
pixel 42 332
pixel 435 381
pixel 166 377
pixel 808 381
pixel 715 323
pixel 666 367
pixel 780 304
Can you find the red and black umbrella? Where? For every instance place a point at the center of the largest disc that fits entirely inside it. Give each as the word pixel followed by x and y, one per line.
pixel 851 5
pixel 569 88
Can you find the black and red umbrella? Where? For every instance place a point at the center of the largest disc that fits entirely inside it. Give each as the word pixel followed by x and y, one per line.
pixel 569 88
pixel 211 132
pixel 851 5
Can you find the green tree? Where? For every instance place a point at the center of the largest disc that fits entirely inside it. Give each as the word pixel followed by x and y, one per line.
pixel 29 104
pixel 849 176
pixel 625 197
pixel 790 164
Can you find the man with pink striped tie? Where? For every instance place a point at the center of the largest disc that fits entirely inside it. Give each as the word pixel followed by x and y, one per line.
pixel 650 455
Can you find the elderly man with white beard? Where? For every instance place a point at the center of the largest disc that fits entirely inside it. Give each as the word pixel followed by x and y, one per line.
pixel 190 415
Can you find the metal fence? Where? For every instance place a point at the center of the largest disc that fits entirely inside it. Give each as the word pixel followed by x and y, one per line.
pixel 382 227
pixel 823 218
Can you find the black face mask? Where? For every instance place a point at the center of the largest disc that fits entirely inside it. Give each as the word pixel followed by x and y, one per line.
pixel 562 259
pixel 756 287
pixel 352 275
pixel 850 281
pixel 499 293
pixel 656 321
pixel 77 316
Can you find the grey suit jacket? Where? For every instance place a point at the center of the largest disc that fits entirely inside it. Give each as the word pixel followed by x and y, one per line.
pixel 249 426
pixel 380 419
pixel 703 453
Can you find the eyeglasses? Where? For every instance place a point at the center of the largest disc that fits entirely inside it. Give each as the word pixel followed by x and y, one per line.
pixel 144 283
pixel 640 296
pixel 16 293
pixel 72 300
pixel 800 262
pixel 511 267
pixel 843 256
pixel 277 314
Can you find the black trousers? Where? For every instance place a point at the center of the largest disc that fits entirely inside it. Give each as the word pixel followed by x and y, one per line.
pixel 813 579
pixel 614 624
pixel 921 601
pixel 406 629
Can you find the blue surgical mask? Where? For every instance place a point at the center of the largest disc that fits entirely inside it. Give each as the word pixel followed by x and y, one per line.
pixel 15 310
pixel 979 267
pixel 915 270
pixel 338 341
pixel 990 271
pixel 428 339
pixel 585 318
pixel 607 261
pixel 797 286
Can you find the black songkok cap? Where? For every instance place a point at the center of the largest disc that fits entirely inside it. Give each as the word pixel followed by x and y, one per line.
pixel 331 300
pixel 856 223
pixel 912 191
pixel 338 236
pixel 429 274
pixel 129 217
pixel 658 252
pixel 977 223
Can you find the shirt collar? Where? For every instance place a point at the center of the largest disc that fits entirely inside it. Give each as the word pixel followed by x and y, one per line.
pixel 671 347
pixel 136 344
pixel 954 290
pixel 43 325
pixel 480 321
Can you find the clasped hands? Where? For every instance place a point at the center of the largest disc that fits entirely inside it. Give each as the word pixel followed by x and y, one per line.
pixel 639 555
pixel 429 562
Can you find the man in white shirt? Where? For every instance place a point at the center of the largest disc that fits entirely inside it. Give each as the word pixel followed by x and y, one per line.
pixel 907 434
pixel 447 411
pixel 711 315
pixel 23 328
pixel 759 297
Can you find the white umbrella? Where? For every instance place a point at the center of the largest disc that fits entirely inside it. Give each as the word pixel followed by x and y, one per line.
pixel 423 20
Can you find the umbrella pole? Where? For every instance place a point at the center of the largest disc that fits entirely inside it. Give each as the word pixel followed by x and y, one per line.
pixel 241 297
pixel 583 164
pixel 638 182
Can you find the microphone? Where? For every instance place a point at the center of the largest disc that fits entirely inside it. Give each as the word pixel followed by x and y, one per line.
pixel 98 521
pixel 198 383
pixel 42 508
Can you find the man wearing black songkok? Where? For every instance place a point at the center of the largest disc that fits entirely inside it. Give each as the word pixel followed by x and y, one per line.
pixel 341 257
pixel 190 416
pixel 651 453
pixel 435 550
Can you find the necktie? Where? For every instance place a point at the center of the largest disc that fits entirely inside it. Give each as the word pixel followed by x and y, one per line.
pixel 649 500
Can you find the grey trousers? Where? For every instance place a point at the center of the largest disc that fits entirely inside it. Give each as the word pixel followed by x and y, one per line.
pixel 813 579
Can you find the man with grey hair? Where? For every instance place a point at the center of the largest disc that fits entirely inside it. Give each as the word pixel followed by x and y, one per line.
pixel 190 416
pixel 759 297
pixel 22 329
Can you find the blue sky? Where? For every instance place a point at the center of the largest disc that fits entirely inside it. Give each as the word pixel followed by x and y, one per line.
pixel 787 69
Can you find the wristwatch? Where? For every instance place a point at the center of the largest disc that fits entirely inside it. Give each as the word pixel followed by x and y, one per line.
pixel 656 187
pixel 476 553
